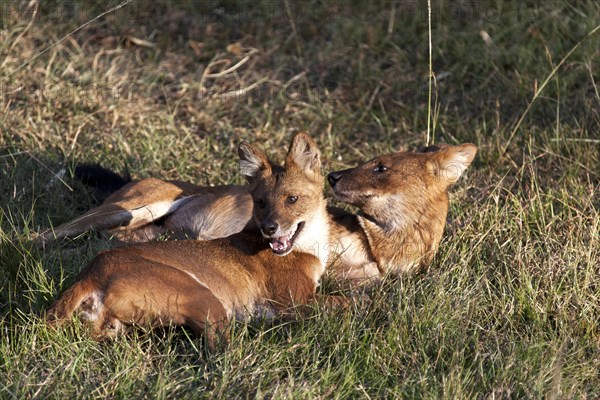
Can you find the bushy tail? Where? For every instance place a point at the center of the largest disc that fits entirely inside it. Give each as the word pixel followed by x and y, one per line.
pixel 78 295
pixel 104 181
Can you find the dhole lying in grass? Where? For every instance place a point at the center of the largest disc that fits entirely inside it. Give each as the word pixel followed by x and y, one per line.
pixel 402 197
pixel 403 202
pixel 203 284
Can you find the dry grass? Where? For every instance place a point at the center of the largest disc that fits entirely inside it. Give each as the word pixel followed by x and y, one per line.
pixel 508 309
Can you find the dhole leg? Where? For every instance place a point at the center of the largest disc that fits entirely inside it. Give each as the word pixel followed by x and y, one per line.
pixel 106 327
pixel 214 332
pixel 78 295
pixel 363 275
pixel 207 317
pixel 102 217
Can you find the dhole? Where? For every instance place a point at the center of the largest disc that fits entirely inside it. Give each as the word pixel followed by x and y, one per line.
pixel 203 284
pixel 402 197
pixel 184 210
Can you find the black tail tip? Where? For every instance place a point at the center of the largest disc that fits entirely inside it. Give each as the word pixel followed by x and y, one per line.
pixel 104 181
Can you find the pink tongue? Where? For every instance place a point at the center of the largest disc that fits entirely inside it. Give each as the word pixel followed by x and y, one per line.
pixel 281 243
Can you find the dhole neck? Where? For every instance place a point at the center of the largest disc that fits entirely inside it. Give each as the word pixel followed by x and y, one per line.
pixel 315 238
pixel 400 242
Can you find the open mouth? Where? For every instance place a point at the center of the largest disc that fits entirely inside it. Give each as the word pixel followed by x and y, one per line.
pixel 282 245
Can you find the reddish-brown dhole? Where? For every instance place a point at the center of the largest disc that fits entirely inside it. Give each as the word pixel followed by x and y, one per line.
pixel 402 198
pixel 203 284
pixel 403 202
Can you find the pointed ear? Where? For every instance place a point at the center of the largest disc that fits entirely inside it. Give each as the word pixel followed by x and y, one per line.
pixel 304 153
pixel 449 162
pixel 253 162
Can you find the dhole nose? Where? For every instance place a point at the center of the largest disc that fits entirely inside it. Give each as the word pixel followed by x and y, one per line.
pixel 333 178
pixel 269 228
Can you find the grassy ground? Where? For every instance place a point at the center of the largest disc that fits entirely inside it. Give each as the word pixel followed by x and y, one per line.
pixel 510 307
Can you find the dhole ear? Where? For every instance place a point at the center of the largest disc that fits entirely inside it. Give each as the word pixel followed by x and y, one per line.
pixel 449 162
pixel 304 153
pixel 253 162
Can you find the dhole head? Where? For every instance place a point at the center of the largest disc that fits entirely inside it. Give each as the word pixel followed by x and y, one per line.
pixel 287 201
pixel 404 182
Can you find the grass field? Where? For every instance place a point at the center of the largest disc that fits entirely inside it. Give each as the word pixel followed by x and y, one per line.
pixel 510 307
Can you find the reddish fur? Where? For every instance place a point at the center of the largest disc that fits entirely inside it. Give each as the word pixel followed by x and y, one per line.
pixel 396 237
pixel 203 284
pixel 116 215
pixel 403 209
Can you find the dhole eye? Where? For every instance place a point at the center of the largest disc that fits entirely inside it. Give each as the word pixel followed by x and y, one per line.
pixel 380 168
pixel 260 203
pixel 292 199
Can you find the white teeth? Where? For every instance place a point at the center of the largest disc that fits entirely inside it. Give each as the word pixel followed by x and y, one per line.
pixel 271 244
